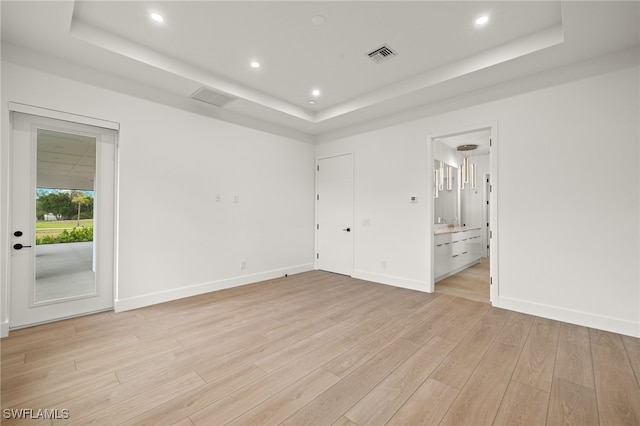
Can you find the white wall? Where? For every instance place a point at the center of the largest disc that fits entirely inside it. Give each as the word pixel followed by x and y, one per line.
pixel 174 239
pixel 568 226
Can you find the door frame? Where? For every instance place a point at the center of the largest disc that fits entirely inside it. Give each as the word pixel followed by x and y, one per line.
pixel 6 222
pixel 316 230
pixel 493 204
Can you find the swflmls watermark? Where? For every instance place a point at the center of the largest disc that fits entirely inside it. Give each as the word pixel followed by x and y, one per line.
pixel 35 413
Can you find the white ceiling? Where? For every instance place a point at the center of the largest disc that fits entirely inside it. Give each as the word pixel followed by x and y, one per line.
pixel 476 137
pixel 65 157
pixel 441 53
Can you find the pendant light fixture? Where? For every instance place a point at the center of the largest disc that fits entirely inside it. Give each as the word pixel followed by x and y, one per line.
pixel 467 173
pixel 441 176
pixel 472 172
pixel 465 170
pixel 449 178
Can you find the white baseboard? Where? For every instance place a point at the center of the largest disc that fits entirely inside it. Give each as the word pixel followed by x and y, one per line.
pixel 614 325
pixel 4 329
pixel 194 290
pixel 392 280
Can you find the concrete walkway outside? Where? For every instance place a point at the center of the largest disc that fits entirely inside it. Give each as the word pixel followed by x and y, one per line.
pixel 64 270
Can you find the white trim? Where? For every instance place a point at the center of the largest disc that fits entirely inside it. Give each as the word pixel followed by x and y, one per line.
pixel 494 288
pixel 400 282
pixel 197 289
pixel 4 329
pixel 586 319
pixel 64 116
pixel 84 314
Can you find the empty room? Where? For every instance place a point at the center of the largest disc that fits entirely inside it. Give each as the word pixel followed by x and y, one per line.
pixel 320 213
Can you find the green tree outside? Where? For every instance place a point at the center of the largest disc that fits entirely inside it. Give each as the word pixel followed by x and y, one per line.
pixel 81 200
pixel 64 204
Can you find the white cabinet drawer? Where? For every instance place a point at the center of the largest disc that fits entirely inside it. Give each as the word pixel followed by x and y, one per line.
pixel 441 239
pixel 456 250
pixel 458 247
pixel 472 234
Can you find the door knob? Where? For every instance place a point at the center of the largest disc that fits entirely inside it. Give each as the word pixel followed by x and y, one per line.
pixel 347 229
pixel 19 246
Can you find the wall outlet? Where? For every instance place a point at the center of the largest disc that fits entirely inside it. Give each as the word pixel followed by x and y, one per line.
pixel 383 264
pixel 218 198
pixel 243 264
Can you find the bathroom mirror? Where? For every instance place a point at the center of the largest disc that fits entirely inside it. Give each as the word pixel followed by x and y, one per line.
pixel 447 202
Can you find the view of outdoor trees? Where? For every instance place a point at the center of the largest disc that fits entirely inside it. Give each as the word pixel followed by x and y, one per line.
pixel 63 216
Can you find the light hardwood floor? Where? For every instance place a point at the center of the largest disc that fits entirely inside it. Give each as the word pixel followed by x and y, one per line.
pixel 471 283
pixel 321 349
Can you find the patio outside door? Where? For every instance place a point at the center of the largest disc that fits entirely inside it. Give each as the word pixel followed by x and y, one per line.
pixel 63 179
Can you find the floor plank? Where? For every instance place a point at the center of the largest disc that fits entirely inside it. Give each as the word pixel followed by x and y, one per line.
pixel 536 364
pixel 632 347
pixel 286 402
pixel 572 404
pixel 333 403
pixel 617 391
pixel 427 406
pixel 190 402
pixel 141 402
pixel 462 361
pixel 479 400
pixel 379 405
pixel 574 364
pixel 522 405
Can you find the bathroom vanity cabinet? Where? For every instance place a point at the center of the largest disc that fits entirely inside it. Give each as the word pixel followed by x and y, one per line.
pixel 456 249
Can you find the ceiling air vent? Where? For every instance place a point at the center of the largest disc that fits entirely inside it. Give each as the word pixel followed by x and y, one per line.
pixel 212 97
pixel 382 54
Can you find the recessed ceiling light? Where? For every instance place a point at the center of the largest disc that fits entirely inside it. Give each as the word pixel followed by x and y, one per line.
pixel 318 20
pixel 312 102
pixel 255 64
pixel 315 92
pixel 157 17
pixel 482 20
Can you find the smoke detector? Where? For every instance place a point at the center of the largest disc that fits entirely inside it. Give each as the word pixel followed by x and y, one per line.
pixel 382 54
pixel 212 97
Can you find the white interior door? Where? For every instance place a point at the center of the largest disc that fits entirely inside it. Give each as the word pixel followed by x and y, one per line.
pixel 335 214
pixel 42 278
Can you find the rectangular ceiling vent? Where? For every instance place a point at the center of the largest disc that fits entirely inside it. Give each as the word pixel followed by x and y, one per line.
pixel 382 54
pixel 212 97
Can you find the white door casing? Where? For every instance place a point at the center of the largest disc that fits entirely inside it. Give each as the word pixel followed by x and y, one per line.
pixel 23 310
pixel 334 210
pixel 492 210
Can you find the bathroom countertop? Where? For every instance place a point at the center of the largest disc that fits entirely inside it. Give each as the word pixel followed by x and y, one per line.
pixel 450 230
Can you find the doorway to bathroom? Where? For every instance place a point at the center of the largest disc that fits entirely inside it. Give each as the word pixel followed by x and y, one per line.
pixel 464 223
